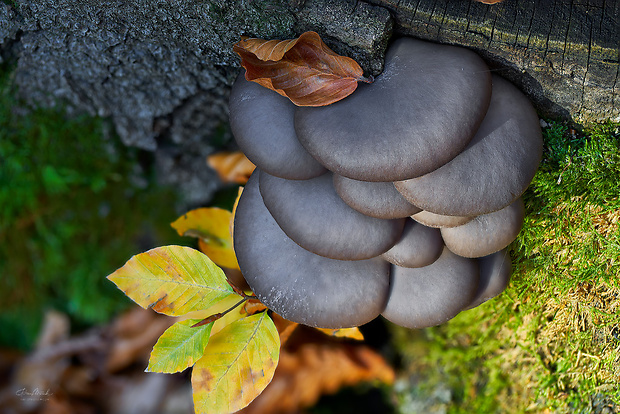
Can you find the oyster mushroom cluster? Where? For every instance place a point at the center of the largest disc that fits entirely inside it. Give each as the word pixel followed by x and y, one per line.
pixel 399 200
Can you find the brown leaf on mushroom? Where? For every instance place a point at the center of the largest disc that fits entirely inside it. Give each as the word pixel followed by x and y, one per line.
pixel 304 70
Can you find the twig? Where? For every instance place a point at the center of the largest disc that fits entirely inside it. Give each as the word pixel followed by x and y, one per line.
pixel 240 292
pixel 217 316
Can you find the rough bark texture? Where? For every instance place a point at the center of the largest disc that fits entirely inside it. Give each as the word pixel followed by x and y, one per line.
pixel 139 60
pixel 9 25
pixel 161 70
pixel 564 54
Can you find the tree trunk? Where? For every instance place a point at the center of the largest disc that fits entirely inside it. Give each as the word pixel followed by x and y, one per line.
pixel 161 70
pixel 564 54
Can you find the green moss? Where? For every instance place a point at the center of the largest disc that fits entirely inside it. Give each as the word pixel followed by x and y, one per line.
pixel 267 19
pixel 74 209
pixel 551 340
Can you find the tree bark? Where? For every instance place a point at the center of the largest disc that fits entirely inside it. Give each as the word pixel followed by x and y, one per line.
pixel 161 70
pixel 564 54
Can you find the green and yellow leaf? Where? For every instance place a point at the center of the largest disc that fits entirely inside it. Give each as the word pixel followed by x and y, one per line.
pixel 179 347
pixel 238 364
pixel 212 228
pixel 172 280
pixel 351 333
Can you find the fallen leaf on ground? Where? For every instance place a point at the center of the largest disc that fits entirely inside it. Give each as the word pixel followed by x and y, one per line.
pixel 134 334
pixel 100 370
pixel 312 365
pixel 284 326
pixel 252 306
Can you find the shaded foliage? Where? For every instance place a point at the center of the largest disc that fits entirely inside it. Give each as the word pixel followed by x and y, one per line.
pixel 75 202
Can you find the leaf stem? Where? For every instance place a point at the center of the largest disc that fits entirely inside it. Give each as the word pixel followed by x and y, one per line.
pixel 369 79
pixel 240 292
pixel 217 316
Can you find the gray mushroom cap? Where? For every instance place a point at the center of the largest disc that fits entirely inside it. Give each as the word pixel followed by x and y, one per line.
pixel 419 246
pixel 311 214
pixel 262 122
pixel 438 221
pixel 375 199
pixel 495 271
pixel 417 115
pixel 299 285
pixel 486 234
pixel 495 168
pixel 431 295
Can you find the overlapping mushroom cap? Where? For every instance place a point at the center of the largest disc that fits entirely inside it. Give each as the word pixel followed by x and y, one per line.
pixel 431 295
pixel 419 246
pixel 375 199
pixel 495 271
pixel 300 285
pixel 311 213
pixel 438 221
pixel 486 234
pixel 262 123
pixel 428 140
pixel 419 114
pixel 494 169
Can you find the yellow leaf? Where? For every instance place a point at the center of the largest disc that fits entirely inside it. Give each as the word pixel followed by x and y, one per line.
pixel 179 347
pixel 238 364
pixel 172 280
pixel 212 227
pixel 311 369
pixel 234 211
pixel 231 167
pixel 352 333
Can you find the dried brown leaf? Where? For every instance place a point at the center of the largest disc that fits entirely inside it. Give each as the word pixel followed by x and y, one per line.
pixel 134 334
pixel 100 370
pixel 304 70
pixel 252 306
pixel 231 167
pixel 302 377
pixel 313 366
pixel 284 326
pixel 351 333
